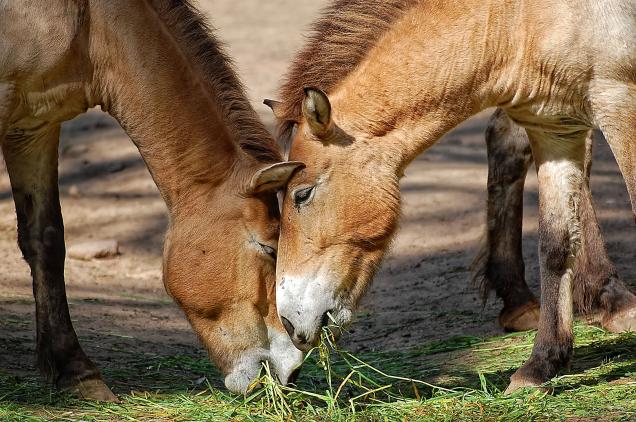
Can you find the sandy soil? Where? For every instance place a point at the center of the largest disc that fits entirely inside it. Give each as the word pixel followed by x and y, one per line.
pixel 421 293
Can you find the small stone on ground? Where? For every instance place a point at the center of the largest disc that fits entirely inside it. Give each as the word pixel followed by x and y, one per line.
pixel 94 249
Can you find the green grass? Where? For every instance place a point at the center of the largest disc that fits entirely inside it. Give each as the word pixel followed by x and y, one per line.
pixel 459 379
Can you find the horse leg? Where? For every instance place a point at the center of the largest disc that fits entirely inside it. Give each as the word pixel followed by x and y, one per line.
pixel 6 107
pixel 31 159
pixel 499 264
pixel 597 286
pixel 560 165
pixel 614 108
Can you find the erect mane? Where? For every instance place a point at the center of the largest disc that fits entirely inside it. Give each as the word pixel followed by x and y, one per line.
pixel 338 41
pixel 195 37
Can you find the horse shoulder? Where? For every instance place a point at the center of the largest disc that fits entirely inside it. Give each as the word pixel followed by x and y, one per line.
pixel 43 54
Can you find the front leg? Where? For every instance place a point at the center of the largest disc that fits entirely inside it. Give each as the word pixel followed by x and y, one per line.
pixel 31 160
pixel 560 163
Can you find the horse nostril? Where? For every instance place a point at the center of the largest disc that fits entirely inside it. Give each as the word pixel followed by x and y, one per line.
pixel 289 327
pixel 294 376
pixel 326 318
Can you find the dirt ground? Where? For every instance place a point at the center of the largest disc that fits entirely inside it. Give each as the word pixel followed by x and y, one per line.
pixel 421 294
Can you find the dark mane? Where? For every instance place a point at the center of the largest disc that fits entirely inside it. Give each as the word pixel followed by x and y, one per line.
pixel 339 39
pixel 195 37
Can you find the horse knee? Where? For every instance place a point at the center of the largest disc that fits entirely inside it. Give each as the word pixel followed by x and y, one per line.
pixel 555 248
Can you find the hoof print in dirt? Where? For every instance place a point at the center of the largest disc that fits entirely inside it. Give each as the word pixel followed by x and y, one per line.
pixel 94 249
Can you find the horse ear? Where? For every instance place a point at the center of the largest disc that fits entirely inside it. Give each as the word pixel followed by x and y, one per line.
pixel 273 177
pixel 317 112
pixel 276 106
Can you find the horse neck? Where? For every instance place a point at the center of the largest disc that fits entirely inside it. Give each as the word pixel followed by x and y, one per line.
pixel 149 84
pixel 427 74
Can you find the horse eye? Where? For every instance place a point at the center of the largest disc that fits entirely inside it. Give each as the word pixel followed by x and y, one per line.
pixel 302 196
pixel 269 250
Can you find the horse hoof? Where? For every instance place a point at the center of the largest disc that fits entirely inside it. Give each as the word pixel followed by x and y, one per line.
pixel 519 382
pixel 523 318
pixel 622 321
pixel 93 389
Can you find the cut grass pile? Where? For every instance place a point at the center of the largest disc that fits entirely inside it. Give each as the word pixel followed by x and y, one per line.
pixel 459 379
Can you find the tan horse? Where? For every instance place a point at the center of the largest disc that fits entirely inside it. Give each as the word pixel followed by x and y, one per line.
pixel 398 75
pixel 599 293
pixel 153 65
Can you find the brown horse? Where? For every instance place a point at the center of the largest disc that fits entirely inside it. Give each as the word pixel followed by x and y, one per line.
pixel 598 291
pixel 397 76
pixel 154 66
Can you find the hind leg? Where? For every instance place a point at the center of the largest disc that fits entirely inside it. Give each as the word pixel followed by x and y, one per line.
pixel 560 165
pixel 499 264
pixel 597 287
pixel 31 160
pixel 614 108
